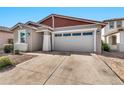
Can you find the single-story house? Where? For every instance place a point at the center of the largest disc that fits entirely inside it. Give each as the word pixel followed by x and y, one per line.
pixel 5 35
pixel 114 34
pixel 59 33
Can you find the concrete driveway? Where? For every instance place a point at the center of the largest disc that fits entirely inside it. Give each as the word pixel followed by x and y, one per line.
pixel 60 68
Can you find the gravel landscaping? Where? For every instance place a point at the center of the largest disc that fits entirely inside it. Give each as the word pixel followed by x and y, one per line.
pixel 16 59
pixel 20 58
pixel 115 61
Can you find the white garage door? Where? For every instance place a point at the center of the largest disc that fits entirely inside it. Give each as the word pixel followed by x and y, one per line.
pixel 82 41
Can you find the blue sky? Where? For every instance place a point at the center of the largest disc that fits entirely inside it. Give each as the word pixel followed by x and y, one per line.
pixel 13 15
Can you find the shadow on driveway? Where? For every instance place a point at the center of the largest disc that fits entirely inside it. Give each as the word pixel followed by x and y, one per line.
pixel 7 68
pixel 62 53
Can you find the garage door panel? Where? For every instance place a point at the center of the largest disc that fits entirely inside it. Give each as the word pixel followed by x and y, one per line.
pixel 74 43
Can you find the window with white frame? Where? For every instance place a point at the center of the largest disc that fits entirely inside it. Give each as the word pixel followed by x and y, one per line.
pixel 67 34
pixel 58 35
pixel 119 23
pixel 22 36
pixel 76 34
pixel 87 33
pixel 111 24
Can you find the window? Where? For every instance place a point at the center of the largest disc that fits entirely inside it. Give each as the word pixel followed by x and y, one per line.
pixel 76 34
pixel 111 24
pixel 88 33
pixel 23 37
pixel 119 24
pixel 58 35
pixel 68 34
pixel 114 40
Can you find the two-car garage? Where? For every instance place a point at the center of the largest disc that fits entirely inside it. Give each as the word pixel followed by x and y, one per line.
pixel 74 41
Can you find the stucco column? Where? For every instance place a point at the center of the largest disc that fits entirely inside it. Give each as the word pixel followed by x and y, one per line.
pixel 95 41
pixel 46 41
pixel 98 41
pixel 52 41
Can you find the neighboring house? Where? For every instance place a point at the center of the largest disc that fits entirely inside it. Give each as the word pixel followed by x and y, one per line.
pixel 5 35
pixel 114 34
pixel 59 33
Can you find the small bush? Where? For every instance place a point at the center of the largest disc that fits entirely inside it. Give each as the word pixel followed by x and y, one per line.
pixel 105 47
pixel 16 52
pixel 8 48
pixel 5 61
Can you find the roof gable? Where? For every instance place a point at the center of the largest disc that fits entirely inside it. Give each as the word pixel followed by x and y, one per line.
pixel 47 21
pixel 20 25
pixel 31 25
pixel 61 21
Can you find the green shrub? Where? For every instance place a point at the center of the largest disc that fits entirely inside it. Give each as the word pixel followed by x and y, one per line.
pixel 16 52
pixel 5 61
pixel 105 47
pixel 8 48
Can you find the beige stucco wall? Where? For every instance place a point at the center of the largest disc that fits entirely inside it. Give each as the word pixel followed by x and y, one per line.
pixel 121 46
pixel 98 41
pixel 107 29
pixel 109 41
pixel 15 33
pixel 34 40
pixel 4 36
pixel 120 41
pixel 120 37
pixel 22 46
